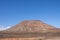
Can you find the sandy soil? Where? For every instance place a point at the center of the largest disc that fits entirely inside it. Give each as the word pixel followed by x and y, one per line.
pixel 39 38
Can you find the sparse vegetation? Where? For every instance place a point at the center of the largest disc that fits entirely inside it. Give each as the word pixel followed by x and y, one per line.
pixel 39 39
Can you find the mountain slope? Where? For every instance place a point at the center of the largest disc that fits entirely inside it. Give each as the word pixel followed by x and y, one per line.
pixel 31 26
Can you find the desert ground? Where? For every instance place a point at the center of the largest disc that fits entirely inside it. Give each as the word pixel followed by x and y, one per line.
pixel 57 38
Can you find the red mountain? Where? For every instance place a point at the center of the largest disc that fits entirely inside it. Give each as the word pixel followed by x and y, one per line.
pixel 32 26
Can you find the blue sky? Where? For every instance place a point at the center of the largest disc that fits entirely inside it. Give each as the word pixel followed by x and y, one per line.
pixel 14 11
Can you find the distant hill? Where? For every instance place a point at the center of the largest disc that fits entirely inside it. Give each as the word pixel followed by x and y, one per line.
pixel 32 26
pixel 2 28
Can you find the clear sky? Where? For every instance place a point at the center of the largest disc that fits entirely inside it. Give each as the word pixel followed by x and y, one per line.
pixel 14 11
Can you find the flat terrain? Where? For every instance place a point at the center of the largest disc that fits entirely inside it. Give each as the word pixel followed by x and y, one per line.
pixel 56 38
pixel 30 36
